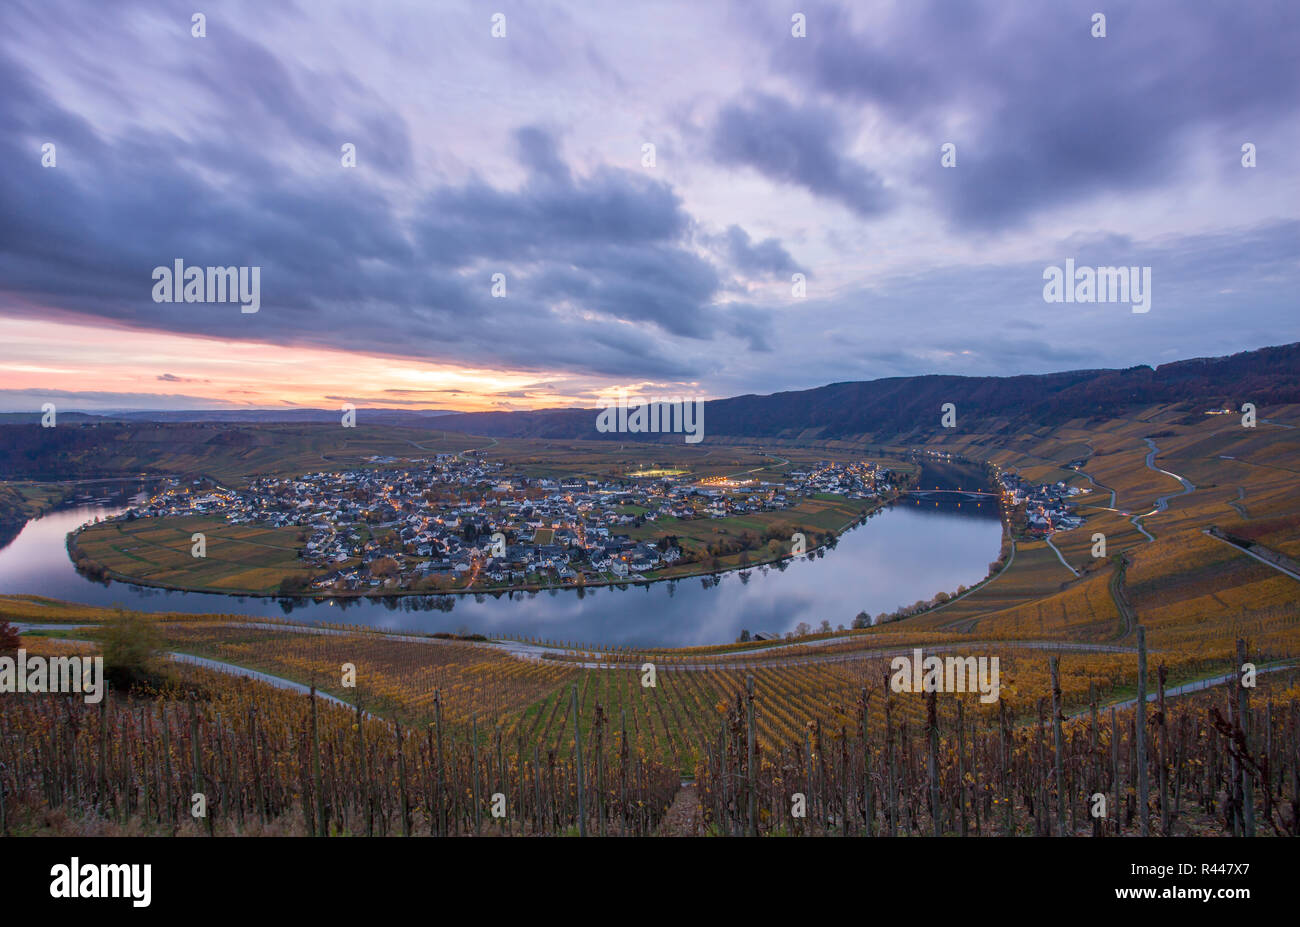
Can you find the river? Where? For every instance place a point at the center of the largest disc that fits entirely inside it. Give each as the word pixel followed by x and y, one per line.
pixel 905 552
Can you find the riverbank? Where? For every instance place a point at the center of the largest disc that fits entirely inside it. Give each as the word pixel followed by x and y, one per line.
pixel 21 501
pixel 903 550
pixel 98 571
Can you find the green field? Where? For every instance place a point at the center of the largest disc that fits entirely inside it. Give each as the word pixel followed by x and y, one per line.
pixel 240 558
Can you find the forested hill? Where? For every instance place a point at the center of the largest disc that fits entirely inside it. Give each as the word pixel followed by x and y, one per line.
pixel 903 405
pixel 898 410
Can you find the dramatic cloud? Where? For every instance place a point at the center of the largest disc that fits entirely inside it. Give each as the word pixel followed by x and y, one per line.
pixel 796 145
pixel 767 258
pixel 614 243
pixel 102 401
pixel 1042 112
pixel 504 237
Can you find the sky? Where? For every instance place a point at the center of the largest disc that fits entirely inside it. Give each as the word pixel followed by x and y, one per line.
pixel 794 223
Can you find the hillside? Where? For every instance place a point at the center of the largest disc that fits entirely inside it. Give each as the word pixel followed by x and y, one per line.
pixel 906 406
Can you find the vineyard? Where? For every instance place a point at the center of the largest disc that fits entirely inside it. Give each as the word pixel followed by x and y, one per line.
pixel 410 733
pixel 673 719
pixel 258 760
pixel 1208 765
pixel 214 754
pixel 395 676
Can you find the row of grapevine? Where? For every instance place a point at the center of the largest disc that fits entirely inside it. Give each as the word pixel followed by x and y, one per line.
pixel 231 755
pixel 1216 762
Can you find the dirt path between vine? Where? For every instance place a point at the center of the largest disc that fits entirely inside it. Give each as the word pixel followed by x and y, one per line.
pixel 683 818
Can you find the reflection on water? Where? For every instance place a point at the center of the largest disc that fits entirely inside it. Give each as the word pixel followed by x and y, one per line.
pixel 904 553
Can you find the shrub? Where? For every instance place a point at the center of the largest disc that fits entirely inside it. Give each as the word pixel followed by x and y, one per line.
pixel 130 643
pixel 10 640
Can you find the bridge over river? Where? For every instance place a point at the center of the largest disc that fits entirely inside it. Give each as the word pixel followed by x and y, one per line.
pixel 949 495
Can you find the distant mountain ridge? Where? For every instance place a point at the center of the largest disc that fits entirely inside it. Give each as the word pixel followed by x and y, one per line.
pixel 907 405
pixel 894 406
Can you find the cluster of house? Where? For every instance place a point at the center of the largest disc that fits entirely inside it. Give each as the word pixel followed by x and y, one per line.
pixel 1047 506
pixel 858 480
pixel 447 522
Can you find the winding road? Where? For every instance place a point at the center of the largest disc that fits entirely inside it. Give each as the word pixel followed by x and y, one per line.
pixel 1056 550
pixel 470 450
pixel 1162 502
pixel 539 654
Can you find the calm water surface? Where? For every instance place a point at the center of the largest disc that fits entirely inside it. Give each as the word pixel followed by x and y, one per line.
pixel 903 553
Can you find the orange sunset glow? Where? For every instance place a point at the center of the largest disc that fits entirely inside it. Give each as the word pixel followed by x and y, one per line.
pixel 39 356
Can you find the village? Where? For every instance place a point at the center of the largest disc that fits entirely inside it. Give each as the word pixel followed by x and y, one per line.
pixel 451 523
pixel 1047 505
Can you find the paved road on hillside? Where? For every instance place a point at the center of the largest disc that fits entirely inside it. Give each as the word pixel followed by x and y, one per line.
pixel 1187 688
pixel 1056 550
pixel 1162 502
pixel 235 669
pixel 1242 550
pixel 753 659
